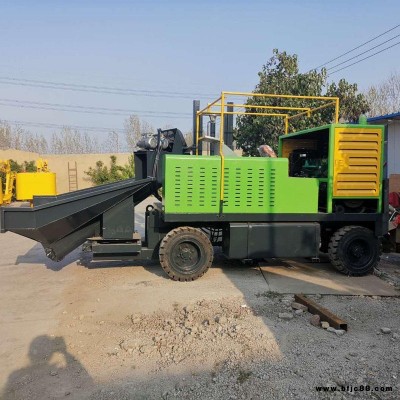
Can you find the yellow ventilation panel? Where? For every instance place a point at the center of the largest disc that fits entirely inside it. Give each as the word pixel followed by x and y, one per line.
pixel 357 165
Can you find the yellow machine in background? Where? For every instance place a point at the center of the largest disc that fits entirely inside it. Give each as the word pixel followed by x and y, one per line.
pixel 27 184
pixel 6 196
pixel 40 183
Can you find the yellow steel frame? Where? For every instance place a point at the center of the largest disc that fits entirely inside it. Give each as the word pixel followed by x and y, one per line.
pixel 42 165
pixel 218 108
pixel 6 197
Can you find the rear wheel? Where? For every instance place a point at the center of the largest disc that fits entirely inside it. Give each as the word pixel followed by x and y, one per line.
pixel 354 250
pixel 185 253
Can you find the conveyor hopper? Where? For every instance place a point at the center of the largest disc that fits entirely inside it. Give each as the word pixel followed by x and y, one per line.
pixel 62 223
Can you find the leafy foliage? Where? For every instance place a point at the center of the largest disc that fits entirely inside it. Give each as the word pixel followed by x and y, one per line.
pixel 102 174
pixel 26 166
pixel 280 75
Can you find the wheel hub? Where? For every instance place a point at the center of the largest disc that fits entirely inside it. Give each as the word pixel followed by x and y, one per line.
pixel 186 255
pixel 357 251
pixel 354 250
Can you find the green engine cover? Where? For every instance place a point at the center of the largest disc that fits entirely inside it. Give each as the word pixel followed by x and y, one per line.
pixel 252 185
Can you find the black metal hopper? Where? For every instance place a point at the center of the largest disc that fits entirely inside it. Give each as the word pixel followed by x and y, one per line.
pixel 62 223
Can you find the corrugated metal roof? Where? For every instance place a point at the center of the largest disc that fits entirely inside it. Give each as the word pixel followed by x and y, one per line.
pixel 384 117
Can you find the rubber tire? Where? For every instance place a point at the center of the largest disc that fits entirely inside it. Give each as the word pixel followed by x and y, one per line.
pixel 340 246
pixel 198 240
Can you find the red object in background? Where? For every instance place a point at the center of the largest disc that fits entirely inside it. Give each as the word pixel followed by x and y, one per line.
pixel 394 199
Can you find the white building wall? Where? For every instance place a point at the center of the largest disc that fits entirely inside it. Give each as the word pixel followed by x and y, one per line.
pixel 393 146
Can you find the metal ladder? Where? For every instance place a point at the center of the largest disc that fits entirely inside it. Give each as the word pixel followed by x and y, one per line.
pixel 72 176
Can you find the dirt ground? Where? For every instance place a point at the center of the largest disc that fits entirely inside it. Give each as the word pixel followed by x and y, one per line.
pixel 79 330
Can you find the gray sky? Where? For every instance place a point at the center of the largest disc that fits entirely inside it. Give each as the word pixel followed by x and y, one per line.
pixel 195 48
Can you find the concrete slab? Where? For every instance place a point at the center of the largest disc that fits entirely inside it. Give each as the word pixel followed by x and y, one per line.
pixel 287 276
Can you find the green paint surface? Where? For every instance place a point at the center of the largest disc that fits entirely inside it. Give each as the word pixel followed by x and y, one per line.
pixel 251 185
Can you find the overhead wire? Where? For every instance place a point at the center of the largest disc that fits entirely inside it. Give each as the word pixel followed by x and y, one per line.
pixel 61 126
pixel 364 52
pixel 124 110
pixel 365 58
pixel 356 48
pixel 89 109
pixel 100 89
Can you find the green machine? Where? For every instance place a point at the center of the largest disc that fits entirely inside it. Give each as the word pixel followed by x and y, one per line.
pixel 326 191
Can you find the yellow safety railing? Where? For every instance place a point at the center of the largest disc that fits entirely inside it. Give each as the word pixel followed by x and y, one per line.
pixel 219 106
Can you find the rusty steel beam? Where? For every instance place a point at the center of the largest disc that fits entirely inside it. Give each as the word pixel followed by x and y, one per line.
pixel 325 314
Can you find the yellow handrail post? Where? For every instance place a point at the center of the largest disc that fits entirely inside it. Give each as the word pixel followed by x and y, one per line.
pixel 221 153
pixel 337 110
pixel 197 132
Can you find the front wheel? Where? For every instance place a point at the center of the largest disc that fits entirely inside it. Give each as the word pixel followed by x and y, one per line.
pixel 354 250
pixel 186 253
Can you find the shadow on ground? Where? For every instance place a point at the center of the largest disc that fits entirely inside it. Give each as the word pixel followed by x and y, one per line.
pixel 52 372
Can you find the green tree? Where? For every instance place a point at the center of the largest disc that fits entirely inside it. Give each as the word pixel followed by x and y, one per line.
pixel 280 75
pixel 26 166
pixel 102 174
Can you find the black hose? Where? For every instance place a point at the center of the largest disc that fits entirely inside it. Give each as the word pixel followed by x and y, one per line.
pixel 158 151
